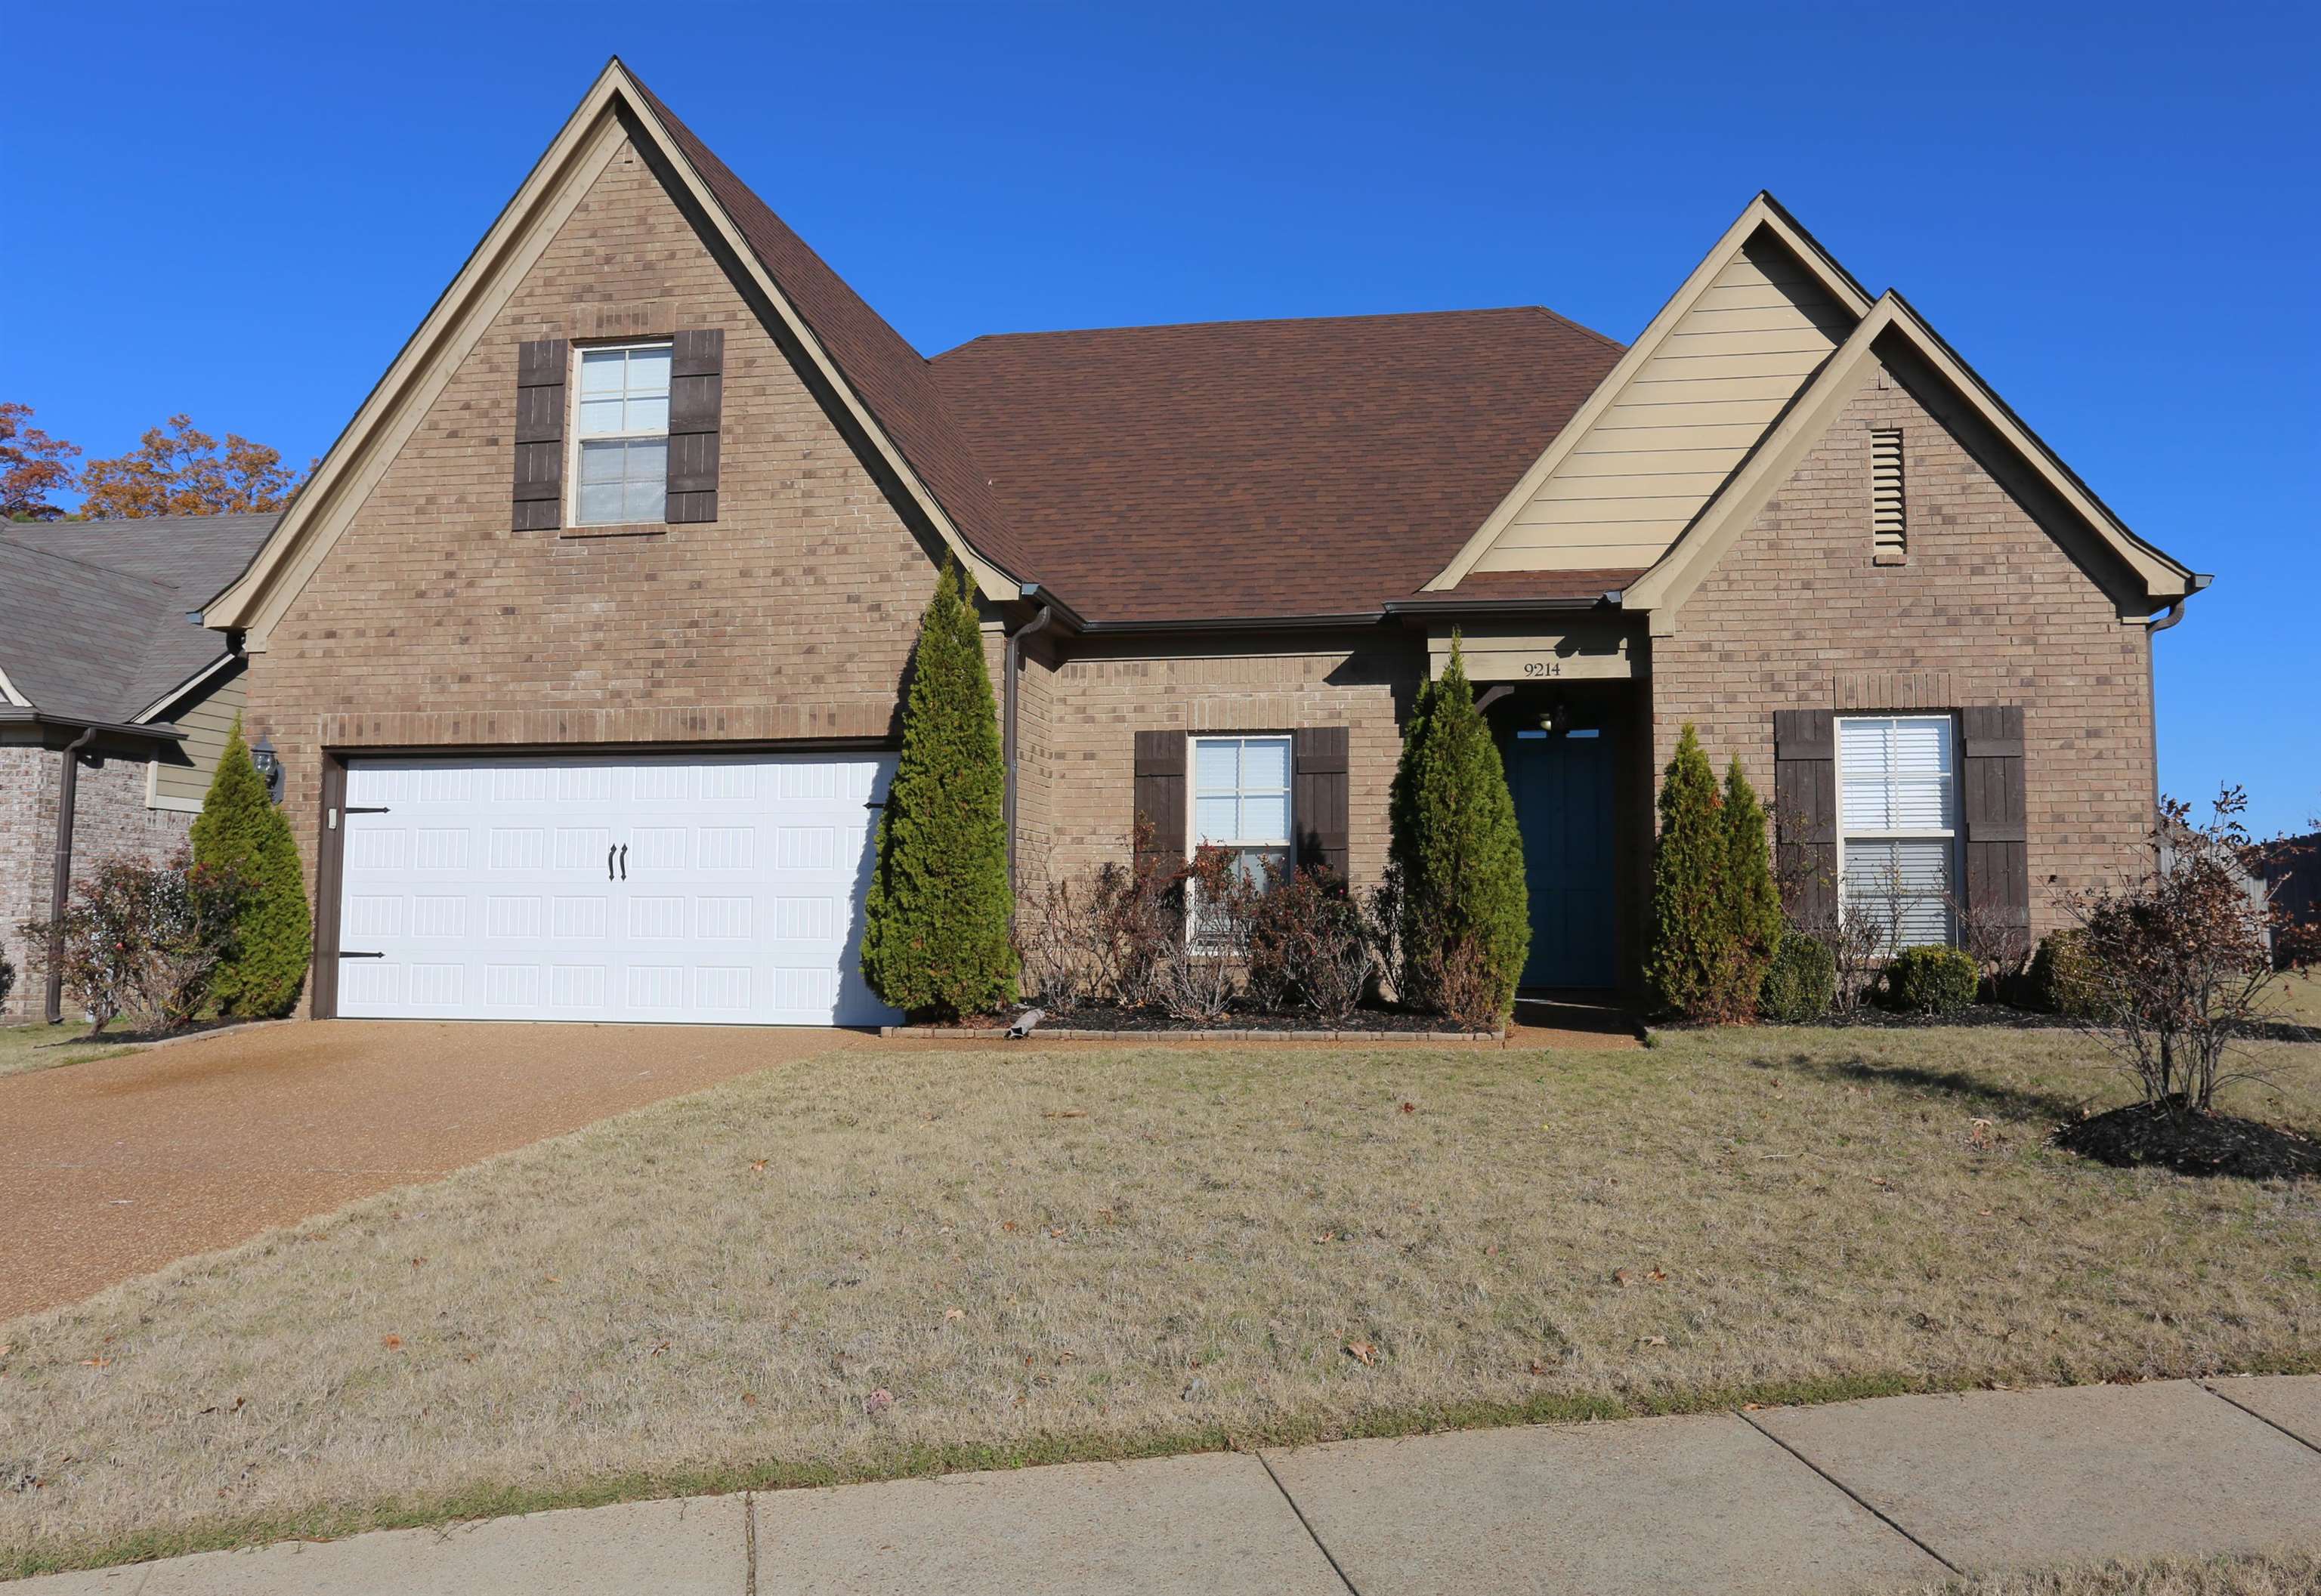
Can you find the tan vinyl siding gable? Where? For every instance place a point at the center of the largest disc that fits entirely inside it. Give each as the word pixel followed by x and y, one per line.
pixel 1683 420
pixel 180 778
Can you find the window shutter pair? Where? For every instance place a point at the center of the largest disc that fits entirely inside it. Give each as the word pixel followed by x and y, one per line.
pixel 1320 769
pixel 695 410
pixel 1992 810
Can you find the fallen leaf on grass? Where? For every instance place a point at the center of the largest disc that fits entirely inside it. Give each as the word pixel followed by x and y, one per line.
pixel 878 1401
pixel 1367 1351
pixel 1538 1367
pixel 952 1313
pixel 758 1166
pixel 97 1363
pixel 1065 1114
pixel 1651 1341
pixel 1055 1232
pixel 1621 1277
pixel 392 1343
pixel 1007 1224
pixel 748 1399
pixel 1656 1274
pixel 1410 1108
pixel 658 1350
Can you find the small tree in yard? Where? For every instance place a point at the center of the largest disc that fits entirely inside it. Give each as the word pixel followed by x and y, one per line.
pixel 936 937
pixel 241 835
pixel 1751 902
pixel 2181 958
pixel 1456 860
pixel 1690 964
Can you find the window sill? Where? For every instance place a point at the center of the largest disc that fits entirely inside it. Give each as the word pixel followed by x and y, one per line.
pixel 1889 557
pixel 640 529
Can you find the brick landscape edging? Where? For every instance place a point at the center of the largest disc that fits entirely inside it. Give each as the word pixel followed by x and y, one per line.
pixel 1080 1034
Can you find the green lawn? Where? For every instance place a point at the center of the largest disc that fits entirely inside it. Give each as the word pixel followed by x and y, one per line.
pixel 1048 1252
pixel 25 1047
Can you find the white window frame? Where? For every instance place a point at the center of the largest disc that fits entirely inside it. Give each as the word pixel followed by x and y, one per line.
pixel 1194 841
pixel 1949 836
pixel 573 438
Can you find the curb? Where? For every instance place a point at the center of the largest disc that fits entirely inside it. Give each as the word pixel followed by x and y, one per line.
pixel 1065 1033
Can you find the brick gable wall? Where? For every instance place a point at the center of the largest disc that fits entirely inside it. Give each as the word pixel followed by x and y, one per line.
pixel 431 622
pixel 1987 609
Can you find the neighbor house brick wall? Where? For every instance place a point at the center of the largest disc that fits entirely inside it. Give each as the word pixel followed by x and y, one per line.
pixel 791 615
pixel 1988 609
pixel 110 820
pixel 1101 696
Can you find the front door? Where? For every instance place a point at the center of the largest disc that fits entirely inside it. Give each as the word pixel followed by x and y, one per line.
pixel 1562 782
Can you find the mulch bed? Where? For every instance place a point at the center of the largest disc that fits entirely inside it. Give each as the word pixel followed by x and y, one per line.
pixel 1382 1021
pixel 2192 1143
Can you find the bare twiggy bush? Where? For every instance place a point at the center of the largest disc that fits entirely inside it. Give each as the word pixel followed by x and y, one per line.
pixel 1310 945
pixel 2181 956
pixel 1210 963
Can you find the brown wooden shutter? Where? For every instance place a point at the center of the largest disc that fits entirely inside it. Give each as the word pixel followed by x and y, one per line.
pixel 1318 795
pixel 697 383
pixel 1804 806
pixel 1159 814
pixel 1991 806
pixel 540 368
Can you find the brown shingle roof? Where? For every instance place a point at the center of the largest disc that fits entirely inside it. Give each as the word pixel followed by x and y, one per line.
pixel 1264 468
pixel 1257 469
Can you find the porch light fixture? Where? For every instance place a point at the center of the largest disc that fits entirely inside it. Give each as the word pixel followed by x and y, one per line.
pixel 1558 718
pixel 269 765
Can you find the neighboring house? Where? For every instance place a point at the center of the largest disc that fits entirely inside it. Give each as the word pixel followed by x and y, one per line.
pixel 111 695
pixel 583 647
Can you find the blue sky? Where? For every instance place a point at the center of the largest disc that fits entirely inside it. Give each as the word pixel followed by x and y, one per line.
pixel 241 213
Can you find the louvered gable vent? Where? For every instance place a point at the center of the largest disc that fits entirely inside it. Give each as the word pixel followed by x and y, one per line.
pixel 1889 533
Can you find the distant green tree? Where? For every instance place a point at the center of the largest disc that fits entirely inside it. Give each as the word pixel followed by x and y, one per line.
pixel 935 939
pixel 242 835
pixel 1692 926
pixel 1751 899
pixel 1456 859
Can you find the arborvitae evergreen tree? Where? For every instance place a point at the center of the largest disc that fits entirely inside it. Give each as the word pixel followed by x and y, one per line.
pixel 241 835
pixel 935 928
pixel 1751 899
pixel 1457 856
pixel 1692 924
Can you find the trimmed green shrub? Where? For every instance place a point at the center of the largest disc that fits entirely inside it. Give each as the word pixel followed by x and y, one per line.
pixel 7 975
pixel 240 837
pixel 1689 965
pixel 2062 979
pixel 1750 898
pixel 1800 983
pixel 935 934
pixel 1931 980
pixel 1456 859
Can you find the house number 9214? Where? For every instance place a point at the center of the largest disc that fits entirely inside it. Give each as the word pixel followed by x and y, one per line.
pixel 1542 668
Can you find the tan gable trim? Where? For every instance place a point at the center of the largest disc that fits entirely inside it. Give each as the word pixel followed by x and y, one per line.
pixel 8 693
pixel 1763 216
pixel 581 150
pixel 1893 326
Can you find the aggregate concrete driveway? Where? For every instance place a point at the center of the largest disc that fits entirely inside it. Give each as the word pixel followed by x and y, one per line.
pixel 114 1167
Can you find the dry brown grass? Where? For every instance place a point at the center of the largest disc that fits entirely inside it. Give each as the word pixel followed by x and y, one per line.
pixel 27 1048
pixel 1043 1254
pixel 2289 1574
pixel 2299 995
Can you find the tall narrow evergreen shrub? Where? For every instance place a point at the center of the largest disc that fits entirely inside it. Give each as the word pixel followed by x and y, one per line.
pixel 241 834
pixel 1692 925
pixel 1457 856
pixel 1750 898
pixel 935 928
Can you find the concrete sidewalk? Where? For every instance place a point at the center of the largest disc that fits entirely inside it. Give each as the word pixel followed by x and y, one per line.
pixel 1854 1497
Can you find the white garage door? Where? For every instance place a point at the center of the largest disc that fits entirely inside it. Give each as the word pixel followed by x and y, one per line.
pixel 717 890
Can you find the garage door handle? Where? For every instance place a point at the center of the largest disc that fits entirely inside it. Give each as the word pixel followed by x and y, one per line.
pixel 609 852
pixel 625 861
pixel 344 954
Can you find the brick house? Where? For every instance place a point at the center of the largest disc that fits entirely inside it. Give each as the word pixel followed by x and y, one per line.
pixel 114 703
pixel 583 649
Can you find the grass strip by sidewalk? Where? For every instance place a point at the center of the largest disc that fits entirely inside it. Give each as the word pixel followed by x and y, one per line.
pixel 901 1261
pixel 2292 1572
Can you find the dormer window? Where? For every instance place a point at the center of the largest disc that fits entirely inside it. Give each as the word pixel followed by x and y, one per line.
pixel 621 435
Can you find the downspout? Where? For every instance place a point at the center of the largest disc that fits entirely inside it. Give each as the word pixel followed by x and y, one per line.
pixel 1011 666
pixel 60 885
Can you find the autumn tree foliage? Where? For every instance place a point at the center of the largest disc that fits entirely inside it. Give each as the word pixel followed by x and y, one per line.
pixel 33 466
pixel 181 470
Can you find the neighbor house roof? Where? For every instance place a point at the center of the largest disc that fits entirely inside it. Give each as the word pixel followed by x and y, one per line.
pixel 94 615
pixel 1262 469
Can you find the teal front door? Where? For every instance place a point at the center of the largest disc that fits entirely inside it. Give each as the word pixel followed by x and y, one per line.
pixel 1561 784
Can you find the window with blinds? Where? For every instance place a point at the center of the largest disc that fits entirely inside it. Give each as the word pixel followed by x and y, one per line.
pixel 1889 531
pixel 1898 824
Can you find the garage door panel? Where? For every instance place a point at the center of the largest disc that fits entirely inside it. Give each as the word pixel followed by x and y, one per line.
pixel 499 889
